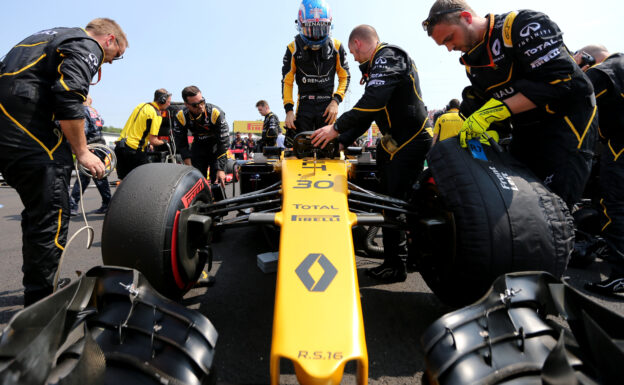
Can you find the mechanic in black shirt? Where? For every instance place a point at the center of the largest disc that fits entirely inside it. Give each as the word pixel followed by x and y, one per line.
pixel 239 144
pixel 313 60
pixel 519 64
pixel 271 126
pixel 93 133
pixel 607 76
pixel 392 99
pixel 44 78
pixel 211 135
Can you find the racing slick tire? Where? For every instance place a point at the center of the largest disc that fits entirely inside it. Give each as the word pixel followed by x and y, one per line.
pixel 232 167
pixel 140 229
pixel 505 220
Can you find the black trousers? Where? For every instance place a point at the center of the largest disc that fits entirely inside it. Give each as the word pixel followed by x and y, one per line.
pixel 43 190
pixel 398 173
pixel 204 156
pixel 128 159
pixel 101 184
pixel 551 150
pixel 612 193
pixel 309 117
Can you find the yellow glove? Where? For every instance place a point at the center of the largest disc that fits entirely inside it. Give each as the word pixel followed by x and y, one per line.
pixel 477 123
pixel 493 134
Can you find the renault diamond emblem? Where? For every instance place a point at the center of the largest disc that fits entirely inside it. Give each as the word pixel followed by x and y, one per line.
pixel 329 272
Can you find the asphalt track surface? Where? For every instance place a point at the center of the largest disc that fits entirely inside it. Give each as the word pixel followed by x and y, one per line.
pixel 240 304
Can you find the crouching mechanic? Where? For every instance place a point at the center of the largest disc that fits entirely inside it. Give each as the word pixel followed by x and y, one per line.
pixel 392 99
pixel 519 61
pixel 45 78
pixel 608 79
pixel 211 135
pixel 141 130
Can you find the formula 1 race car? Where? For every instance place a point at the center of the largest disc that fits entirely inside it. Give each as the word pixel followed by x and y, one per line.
pixel 473 215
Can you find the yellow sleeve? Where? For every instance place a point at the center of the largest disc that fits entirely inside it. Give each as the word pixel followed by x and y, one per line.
pixel 288 70
pixel 341 71
pixel 181 118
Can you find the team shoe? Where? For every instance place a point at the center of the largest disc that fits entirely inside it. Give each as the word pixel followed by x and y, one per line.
pixel 610 286
pixel 73 211
pixel 388 273
pixel 205 279
pixel 102 210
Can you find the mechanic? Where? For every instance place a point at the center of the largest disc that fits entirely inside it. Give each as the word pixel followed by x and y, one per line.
pixel 449 123
pixel 392 99
pixel 211 135
pixel 313 60
pixel 141 130
pixel 271 126
pixel 519 64
pixel 93 133
pixel 608 79
pixel 250 143
pixel 238 144
pixel 43 78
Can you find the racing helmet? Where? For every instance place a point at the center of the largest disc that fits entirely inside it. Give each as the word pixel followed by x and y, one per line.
pixel 314 22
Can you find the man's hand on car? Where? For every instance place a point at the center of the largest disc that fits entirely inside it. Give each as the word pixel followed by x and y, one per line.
pixel 324 135
pixel 221 177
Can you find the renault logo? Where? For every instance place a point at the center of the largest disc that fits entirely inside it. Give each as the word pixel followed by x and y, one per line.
pixel 303 272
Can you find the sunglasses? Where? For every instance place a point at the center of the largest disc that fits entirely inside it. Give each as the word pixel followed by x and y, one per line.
pixel 434 19
pixel 195 105
pixel 118 56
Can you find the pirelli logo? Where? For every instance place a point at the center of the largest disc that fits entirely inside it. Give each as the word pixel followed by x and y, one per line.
pixel 187 199
pixel 315 218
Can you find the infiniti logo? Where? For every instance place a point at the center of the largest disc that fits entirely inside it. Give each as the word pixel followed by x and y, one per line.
pixel 532 27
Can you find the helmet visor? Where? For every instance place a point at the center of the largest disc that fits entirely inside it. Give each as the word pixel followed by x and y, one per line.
pixel 316 30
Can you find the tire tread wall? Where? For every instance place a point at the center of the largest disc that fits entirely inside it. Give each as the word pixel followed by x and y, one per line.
pixel 499 229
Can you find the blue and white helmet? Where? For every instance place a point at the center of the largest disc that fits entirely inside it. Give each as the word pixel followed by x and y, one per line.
pixel 314 22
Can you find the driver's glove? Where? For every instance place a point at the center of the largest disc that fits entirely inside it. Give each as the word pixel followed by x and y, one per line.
pixel 477 123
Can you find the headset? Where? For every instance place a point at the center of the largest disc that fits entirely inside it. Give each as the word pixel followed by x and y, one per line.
pixel 161 98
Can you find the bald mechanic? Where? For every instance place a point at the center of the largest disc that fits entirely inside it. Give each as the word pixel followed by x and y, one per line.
pixel 518 63
pixel 392 99
pixel 43 78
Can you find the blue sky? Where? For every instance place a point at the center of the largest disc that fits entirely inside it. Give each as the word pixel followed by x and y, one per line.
pixel 232 50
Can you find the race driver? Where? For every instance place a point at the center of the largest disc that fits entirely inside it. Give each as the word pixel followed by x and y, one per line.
pixel 519 63
pixel 392 99
pixel 313 60
pixel 211 135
